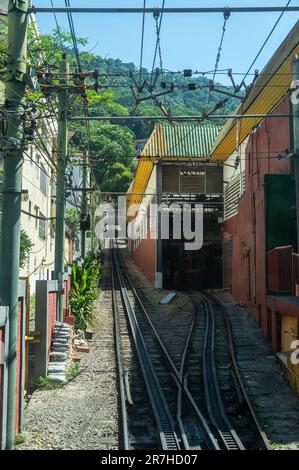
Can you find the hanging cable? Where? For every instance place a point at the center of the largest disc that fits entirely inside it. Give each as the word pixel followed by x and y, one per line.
pixel 142 44
pixel 157 40
pixel 226 16
pixel 156 17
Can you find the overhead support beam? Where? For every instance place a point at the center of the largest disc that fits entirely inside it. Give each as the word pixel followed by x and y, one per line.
pixel 177 118
pixel 164 10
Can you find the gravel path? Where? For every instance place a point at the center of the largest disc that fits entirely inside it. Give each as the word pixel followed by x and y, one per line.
pixel 84 413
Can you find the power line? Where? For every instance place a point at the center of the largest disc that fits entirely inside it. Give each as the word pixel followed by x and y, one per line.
pixel 180 118
pixel 158 31
pixel 226 16
pixel 267 39
pixel 159 10
pixel 142 43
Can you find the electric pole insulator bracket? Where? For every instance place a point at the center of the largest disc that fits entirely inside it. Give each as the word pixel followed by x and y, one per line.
pixel 21 5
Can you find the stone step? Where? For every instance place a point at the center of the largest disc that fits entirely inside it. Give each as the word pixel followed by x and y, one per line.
pixel 58 356
pixel 57 367
pixel 60 348
pixel 62 334
pixel 57 377
pixel 60 340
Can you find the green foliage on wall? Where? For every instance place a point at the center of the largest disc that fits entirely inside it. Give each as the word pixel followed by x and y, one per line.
pixel 25 248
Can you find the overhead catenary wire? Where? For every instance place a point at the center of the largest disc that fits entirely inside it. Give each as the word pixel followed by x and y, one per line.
pixel 226 16
pixel 266 40
pixel 157 39
pixel 142 44
pixel 173 10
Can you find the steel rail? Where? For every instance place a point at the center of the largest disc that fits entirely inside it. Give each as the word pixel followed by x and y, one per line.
pixel 178 378
pixel 167 433
pixel 215 407
pixel 120 10
pixel 124 416
pixel 264 439
pixel 184 379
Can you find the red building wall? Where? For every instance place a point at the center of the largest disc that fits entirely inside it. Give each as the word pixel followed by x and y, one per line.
pixel 2 335
pixel 145 256
pixel 248 226
pixel 19 364
pixel 52 315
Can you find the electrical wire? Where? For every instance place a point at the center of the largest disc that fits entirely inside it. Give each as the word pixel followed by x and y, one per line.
pixel 226 16
pixel 265 42
pixel 142 44
pixel 157 42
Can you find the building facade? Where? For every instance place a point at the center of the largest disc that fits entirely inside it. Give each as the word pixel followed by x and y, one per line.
pixel 260 262
pixel 173 177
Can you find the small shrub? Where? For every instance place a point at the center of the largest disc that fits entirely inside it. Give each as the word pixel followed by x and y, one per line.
pixel 19 439
pixel 72 371
pixel 85 281
pixel 43 383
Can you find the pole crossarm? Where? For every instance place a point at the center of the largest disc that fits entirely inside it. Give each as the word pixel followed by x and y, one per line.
pixel 165 10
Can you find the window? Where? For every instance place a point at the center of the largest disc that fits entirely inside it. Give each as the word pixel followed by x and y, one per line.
pixel 42 227
pixel 29 210
pixel 36 217
pixel 43 179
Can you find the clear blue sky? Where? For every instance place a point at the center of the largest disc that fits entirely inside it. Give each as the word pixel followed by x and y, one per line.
pixel 187 41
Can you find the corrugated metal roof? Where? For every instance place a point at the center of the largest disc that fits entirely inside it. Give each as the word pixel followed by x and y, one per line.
pixel 171 142
pixel 268 90
pixel 181 141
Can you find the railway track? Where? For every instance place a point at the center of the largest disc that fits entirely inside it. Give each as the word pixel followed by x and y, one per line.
pixel 226 402
pixel 180 405
pixel 171 403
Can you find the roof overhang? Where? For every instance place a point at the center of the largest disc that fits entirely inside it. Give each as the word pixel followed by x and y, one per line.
pixel 267 91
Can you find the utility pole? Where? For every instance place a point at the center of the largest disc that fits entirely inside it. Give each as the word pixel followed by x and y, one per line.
pixel 295 135
pixel 11 192
pixel 84 206
pixel 61 181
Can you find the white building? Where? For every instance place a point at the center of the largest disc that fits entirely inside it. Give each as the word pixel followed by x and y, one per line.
pixel 38 210
pixel 38 198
